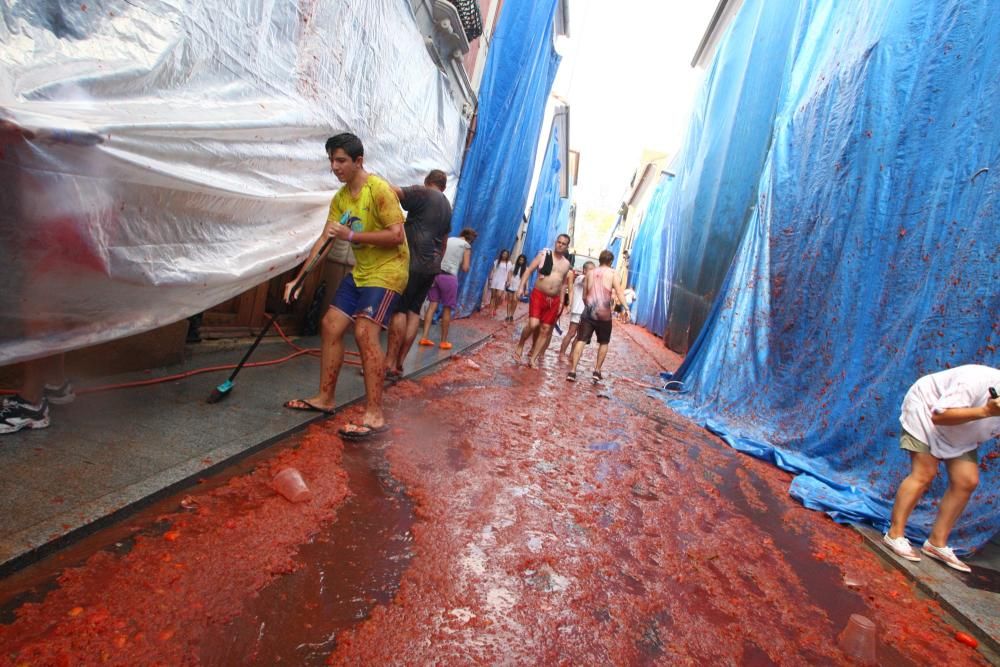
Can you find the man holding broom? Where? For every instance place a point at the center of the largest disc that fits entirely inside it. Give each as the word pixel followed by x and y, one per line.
pixel 366 299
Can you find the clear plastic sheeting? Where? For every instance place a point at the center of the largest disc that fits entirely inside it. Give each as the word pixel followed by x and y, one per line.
pixel 520 69
pixel 549 211
pixel 159 158
pixel 650 268
pixel 871 255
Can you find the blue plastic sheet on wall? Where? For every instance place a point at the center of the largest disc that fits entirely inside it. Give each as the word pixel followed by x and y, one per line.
pixel 726 145
pixel 493 189
pixel 616 249
pixel 871 255
pixel 549 211
pixel 650 268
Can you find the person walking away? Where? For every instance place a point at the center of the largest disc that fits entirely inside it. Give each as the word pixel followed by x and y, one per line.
pixel 520 265
pixel 427 225
pixel 599 286
pixel 457 257
pixel 630 297
pixel 500 276
pixel 555 273
pixel 367 297
pixel 945 416
pixel 576 310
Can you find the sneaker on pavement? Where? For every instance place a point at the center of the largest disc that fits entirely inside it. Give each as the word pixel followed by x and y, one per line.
pixel 945 555
pixel 60 395
pixel 445 345
pixel 17 413
pixel 426 341
pixel 901 547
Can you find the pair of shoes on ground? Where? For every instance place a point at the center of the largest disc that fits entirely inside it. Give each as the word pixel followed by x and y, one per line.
pixel 902 548
pixel 596 376
pixel 17 414
pixel 427 342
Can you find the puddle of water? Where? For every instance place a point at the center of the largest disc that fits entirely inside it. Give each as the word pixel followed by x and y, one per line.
pixel 354 564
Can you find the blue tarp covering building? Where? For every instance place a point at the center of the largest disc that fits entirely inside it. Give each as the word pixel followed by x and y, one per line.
pixel 549 210
pixel 650 270
pixel 496 176
pixel 848 153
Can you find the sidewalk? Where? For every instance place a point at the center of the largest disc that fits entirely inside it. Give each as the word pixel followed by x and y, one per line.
pixel 112 452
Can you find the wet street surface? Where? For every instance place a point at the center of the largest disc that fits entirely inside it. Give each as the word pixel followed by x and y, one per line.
pixel 508 517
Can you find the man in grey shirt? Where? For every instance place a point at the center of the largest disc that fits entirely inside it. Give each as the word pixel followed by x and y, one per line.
pixel 428 223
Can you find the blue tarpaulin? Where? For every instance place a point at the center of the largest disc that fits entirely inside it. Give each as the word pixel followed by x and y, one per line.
pixel 493 189
pixel 727 142
pixel 869 253
pixel 649 268
pixel 549 211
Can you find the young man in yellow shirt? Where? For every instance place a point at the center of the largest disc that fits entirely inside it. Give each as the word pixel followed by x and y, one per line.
pixel 365 212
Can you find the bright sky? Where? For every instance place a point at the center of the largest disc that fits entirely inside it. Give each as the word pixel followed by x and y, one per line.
pixel 627 76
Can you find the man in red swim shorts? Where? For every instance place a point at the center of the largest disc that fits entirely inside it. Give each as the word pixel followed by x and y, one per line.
pixel 555 275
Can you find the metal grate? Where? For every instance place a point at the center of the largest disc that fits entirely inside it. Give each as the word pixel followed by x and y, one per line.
pixel 472 20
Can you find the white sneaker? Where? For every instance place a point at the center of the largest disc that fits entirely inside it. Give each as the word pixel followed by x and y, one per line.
pixel 945 555
pixel 901 547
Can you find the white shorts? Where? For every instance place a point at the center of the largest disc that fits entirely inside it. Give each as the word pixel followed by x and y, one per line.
pixel 574 318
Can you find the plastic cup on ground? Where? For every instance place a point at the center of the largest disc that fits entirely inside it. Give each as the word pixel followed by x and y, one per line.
pixel 289 483
pixel 858 640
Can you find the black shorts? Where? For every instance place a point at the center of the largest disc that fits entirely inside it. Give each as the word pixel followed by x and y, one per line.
pixel 416 291
pixel 588 327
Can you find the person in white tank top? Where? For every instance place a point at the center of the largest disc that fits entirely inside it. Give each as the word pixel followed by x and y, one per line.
pixel 575 309
pixel 499 280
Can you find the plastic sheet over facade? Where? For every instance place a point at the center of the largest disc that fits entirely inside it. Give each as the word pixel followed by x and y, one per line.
pixel 160 158
pixel 871 255
pixel 549 211
pixel 650 266
pixel 520 69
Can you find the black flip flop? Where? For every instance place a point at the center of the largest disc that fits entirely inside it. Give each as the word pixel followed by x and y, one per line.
pixel 305 406
pixel 368 432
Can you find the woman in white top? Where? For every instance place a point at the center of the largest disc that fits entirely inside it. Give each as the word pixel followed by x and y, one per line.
pixel 944 417
pixel 499 280
pixel 576 309
pixel 515 279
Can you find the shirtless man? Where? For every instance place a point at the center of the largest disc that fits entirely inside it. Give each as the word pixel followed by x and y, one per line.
pixel 599 288
pixel 546 298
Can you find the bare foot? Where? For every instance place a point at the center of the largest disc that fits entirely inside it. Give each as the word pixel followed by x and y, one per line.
pixel 518 353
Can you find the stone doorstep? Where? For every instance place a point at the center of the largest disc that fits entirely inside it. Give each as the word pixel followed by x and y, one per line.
pixel 969 606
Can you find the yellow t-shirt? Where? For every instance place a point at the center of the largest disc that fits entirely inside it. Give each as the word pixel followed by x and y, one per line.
pixel 375 209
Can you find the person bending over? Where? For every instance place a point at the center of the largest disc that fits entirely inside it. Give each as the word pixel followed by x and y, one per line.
pixel 945 416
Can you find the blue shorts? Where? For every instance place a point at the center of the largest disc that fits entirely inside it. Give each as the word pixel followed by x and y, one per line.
pixel 376 303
